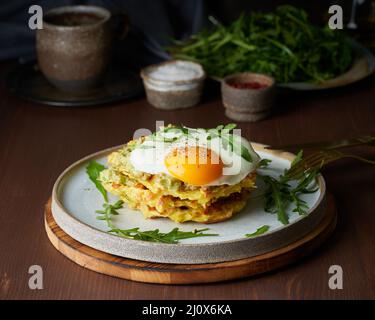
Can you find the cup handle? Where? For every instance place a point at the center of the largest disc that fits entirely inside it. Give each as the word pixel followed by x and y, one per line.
pixel 121 24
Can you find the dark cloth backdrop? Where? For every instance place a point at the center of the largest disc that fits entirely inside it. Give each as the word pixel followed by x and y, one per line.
pixel 153 23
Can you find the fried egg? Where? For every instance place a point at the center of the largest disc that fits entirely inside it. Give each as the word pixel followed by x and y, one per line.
pixel 195 156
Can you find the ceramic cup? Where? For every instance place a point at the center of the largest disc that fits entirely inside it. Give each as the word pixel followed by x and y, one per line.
pixel 248 104
pixel 75 45
pixel 171 94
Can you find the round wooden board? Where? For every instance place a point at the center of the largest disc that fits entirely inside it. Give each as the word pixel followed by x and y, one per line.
pixel 187 273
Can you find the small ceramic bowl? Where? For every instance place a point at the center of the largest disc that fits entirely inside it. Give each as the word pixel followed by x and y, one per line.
pixel 174 84
pixel 248 96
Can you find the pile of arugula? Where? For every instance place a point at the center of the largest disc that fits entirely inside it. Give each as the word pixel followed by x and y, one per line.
pixel 282 43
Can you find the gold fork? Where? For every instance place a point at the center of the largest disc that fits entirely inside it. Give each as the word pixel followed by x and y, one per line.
pixel 317 160
pixel 337 144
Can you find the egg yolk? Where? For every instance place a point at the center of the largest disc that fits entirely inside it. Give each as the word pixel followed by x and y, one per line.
pixel 194 165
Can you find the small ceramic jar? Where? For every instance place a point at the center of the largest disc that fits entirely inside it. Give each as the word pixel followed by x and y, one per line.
pixel 173 84
pixel 248 96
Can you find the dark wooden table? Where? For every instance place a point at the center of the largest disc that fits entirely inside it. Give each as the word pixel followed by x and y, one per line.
pixel 37 142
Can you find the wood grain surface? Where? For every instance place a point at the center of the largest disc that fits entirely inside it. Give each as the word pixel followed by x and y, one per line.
pixel 38 142
pixel 164 273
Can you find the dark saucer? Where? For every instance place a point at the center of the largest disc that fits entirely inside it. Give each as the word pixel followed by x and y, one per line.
pixel 119 83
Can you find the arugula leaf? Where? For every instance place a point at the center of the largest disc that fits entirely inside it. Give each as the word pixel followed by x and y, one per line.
pixel 264 163
pixel 259 231
pixel 109 210
pixel 230 126
pixel 297 159
pixel 243 152
pixel 277 198
pixel 235 146
pixel 171 237
pixel 301 205
pixel 239 149
pixel 307 184
pixel 93 170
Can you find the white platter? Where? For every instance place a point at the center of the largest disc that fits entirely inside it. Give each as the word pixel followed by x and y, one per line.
pixel 75 199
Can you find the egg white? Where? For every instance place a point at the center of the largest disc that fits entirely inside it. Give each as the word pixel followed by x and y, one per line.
pixel 149 156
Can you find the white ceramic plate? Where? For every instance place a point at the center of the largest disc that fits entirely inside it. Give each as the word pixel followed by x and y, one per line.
pixel 75 199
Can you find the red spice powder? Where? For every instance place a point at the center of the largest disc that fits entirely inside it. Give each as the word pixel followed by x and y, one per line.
pixel 248 85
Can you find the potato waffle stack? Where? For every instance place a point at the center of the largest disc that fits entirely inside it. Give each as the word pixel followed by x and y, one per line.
pixel 161 195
